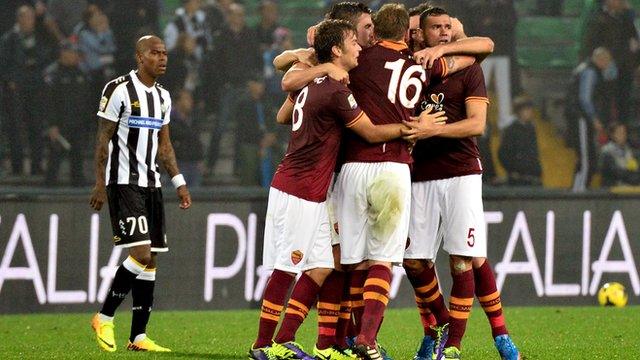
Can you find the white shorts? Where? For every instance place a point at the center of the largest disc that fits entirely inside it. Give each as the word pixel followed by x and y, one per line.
pixel 448 210
pixel 296 234
pixel 358 240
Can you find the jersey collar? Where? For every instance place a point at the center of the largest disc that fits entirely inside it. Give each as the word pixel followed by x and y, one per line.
pixel 393 45
pixel 134 76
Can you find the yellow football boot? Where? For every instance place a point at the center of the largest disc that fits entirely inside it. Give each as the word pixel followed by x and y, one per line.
pixel 146 344
pixel 104 333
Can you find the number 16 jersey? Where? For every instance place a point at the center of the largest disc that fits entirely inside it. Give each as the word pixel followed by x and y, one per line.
pixel 387 84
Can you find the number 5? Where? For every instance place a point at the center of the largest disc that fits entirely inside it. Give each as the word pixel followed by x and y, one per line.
pixel 470 236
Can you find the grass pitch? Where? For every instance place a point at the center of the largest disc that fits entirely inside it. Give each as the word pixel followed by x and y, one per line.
pixel 539 332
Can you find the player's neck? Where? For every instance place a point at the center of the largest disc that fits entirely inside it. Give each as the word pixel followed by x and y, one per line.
pixel 146 79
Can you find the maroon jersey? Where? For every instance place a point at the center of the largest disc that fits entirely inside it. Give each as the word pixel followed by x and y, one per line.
pixel 442 158
pixel 387 84
pixel 321 110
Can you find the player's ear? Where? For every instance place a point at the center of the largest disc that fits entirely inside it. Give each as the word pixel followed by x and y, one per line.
pixel 336 51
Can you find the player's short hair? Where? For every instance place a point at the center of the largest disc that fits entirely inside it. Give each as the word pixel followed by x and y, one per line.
pixel 348 10
pixel 417 10
pixel 330 33
pixel 391 22
pixel 431 11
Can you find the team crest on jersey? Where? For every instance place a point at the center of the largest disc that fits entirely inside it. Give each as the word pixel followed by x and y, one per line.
pixel 296 256
pixel 435 101
pixel 103 103
pixel 352 101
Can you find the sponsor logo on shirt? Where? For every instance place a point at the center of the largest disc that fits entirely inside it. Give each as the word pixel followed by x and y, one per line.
pixel 144 122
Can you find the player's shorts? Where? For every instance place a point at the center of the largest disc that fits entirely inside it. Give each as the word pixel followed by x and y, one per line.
pixel 137 217
pixel 296 234
pixel 449 211
pixel 358 239
pixel 333 220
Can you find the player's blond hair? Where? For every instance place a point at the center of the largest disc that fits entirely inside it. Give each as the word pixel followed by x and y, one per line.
pixel 391 22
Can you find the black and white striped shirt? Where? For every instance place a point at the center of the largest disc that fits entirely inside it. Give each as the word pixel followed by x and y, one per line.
pixel 140 112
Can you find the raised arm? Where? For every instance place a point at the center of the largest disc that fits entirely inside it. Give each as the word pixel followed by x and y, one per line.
pixel 288 58
pixel 106 129
pixel 167 158
pixel 476 47
pixel 299 75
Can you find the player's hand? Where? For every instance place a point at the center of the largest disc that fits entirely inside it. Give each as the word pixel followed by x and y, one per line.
pixel 184 196
pixel 427 56
pixel 337 73
pixel 307 56
pixel 98 197
pixel 428 124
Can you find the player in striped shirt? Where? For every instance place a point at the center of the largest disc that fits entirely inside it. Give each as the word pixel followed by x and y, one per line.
pixel 133 132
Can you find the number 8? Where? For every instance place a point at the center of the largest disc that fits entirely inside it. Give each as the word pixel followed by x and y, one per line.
pixel 297 109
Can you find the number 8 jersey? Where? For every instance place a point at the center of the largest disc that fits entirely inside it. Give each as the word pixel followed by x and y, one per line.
pixel 321 111
pixel 388 85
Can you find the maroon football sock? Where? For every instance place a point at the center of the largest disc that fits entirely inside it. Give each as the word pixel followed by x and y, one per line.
pixel 489 297
pixel 358 277
pixel 303 296
pixel 429 299
pixel 272 304
pixel 329 309
pixel 376 298
pixel 460 306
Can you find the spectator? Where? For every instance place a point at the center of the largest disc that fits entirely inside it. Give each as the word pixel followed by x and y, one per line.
pixel 216 11
pixel 612 26
pixel 185 68
pixel 189 19
pixel 24 54
pixel 186 139
pixel 66 14
pixel 130 20
pixel 233 63
pixel 282 40
pixel 68 102
pixel 497 20
pixel 618 162
pixel 255 158
pixel 588 100
pixel 267 25
pixel 519 147
pixel 98 48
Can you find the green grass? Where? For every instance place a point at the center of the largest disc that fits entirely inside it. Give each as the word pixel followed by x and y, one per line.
pixel 540 332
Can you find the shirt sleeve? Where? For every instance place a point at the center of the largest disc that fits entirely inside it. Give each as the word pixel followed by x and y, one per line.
pixel 346 107
pixel 113 102
pixel 437 71
pixel 475 89
pixel 167 110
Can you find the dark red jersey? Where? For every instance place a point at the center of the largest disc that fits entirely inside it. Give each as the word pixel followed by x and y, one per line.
pixel 388 85
pixel 321 111
pixel 442 158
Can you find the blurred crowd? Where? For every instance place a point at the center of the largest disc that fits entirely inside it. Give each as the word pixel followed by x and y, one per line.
pixel 56 55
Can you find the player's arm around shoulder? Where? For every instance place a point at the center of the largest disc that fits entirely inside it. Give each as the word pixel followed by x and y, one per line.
pixel 301 74
pixel 167 157
pixel 288 58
